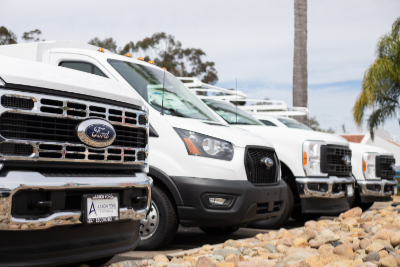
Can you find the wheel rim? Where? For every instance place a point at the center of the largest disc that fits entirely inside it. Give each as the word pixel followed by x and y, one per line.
pixel 149 225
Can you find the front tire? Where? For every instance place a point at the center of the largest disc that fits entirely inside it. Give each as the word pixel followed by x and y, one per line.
pixel 219 231
pixel 279 221
pixel 304 217
pixel 159 227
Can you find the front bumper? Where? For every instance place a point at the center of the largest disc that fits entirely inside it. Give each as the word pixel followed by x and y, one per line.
pixel 249 202
pixel 380 190
pixel 324 195
pixel 65 238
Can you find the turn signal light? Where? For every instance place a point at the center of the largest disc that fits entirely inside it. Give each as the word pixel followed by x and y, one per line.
pixel 140 58
pixel 304 158
pixel 192 148
pixel 164 68
pixel 364 166
pixel 151 61
pixel 100 50
pixel 128 55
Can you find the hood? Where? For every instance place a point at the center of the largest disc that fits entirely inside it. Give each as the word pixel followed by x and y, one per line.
pixel 362 148
pixel 237 136
pixel 30 73
pixel 280 133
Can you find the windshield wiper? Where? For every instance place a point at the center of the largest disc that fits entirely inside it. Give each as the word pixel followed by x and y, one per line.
pixel 171 110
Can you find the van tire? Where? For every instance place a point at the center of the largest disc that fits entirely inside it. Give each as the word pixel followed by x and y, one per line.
pixel 279 221
pixel 219 231
pixel 167 222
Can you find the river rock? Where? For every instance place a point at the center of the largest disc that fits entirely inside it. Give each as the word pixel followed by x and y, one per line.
pixel 224 252
pixel 325 249
pixel 308 234
pixel 271 248
pixel 376 228
pixel 204 261
pixel 315 244
pixel 374 247
pixel 327 238
pixel 344 250
pixel 285 241
pixel 388 261
pixel 282 248
pixel 365 243
pixel 225 264
pixel 383 253
pixel 354 212
pixel 247 264
pixel 300 242
pixel 395 240
pixel 373 256
pixel 160 258
pixel 336 264
pixel 382 234
pixel 296 257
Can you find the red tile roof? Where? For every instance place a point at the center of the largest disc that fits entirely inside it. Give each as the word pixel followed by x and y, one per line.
pixel 354 138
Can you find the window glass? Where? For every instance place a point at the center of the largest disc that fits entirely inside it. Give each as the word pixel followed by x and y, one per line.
pixel 160 88
pixel 230 113
pixel 97 71
pixel 268 123
pixel 77 66
pixel 292 123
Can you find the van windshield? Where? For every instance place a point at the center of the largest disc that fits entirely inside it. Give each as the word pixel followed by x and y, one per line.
pixel 162 88
pixel 230 113
pixel 292 123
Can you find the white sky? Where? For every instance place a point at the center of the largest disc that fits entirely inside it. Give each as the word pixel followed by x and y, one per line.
pixel 248 40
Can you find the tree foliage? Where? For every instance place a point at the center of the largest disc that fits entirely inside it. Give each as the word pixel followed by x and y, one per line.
pixel 381 82
pixel 167 52
pixel 313 123
pixel 7 36
pixel 32 36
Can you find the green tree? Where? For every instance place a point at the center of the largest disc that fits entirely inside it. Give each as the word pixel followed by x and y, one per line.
pixel 32 36
pixel 7 36
pixel 313 123
pixel 167 52
pixel 381 82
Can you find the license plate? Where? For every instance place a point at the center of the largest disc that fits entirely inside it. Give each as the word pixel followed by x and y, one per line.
pixel 350 191
pixel 100 208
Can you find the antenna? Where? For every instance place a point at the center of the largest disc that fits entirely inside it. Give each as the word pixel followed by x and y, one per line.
pixel 162 99
pixel 236 100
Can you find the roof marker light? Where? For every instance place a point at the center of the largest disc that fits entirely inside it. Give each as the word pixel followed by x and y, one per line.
pixel 140 58
pixel 164 68
pixel 151 62
pixel 100 50
pixel 128 55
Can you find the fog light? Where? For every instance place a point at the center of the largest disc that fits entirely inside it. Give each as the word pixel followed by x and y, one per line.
pixel 217 201
pixel 395 190
pixel 350 190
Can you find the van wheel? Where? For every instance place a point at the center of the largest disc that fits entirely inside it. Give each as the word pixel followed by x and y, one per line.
pixel 304 217
pixel 279 221
pixel 219 231
pixel 159 227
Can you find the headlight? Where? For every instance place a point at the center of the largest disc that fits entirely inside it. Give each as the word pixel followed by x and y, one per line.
pixel 312 158
pixel 368 165
pixel 205 146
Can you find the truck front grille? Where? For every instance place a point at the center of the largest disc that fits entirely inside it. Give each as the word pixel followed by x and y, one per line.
pixel 384 167
pixel 257 172
pixel 48 130
pixel 332 160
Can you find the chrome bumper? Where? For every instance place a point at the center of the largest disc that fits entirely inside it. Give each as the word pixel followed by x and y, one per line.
pixel 381 184
pixel 327 186
pixel 16 181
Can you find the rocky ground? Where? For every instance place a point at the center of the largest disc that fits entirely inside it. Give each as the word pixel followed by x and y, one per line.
pixel 368 239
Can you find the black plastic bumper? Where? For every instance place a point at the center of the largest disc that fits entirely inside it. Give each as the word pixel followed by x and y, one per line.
pixel 67 244
pixel 249 202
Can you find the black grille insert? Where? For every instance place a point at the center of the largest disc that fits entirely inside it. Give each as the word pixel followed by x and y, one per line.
pixel 384 167
pixel 142 119
pixel 10 101
pixel 257 172
pixel 332 160
pixel 13 149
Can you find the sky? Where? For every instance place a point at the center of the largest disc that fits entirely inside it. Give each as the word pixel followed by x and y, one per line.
pixel 251 41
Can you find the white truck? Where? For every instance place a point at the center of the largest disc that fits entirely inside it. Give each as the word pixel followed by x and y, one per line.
pixel 316 166
pixel 206 173
pixel 73 183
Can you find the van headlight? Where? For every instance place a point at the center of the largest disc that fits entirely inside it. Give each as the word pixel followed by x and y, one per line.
pixel 205 146
pixel 312 158
pixel 368 165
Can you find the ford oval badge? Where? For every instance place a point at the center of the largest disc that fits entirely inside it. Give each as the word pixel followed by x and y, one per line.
pixel 96 133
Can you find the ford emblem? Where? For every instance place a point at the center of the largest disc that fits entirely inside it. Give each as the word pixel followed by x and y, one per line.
pixel 96 133
pixel 268 162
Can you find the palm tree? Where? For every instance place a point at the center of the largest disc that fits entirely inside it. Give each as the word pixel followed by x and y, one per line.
pixel 381 83
pixel 300 56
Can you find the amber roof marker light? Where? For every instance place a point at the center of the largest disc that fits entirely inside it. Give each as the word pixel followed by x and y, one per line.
pixel 151 62
pixel 101 50
pixel 128 55
pixel 164 68
pixel 140 58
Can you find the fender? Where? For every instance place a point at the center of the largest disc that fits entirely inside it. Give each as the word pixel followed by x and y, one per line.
pixel 167 181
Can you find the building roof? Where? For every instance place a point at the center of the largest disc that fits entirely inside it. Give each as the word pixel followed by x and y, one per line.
pixel 355 138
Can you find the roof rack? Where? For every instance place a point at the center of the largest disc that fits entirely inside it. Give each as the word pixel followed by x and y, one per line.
pixel 268 108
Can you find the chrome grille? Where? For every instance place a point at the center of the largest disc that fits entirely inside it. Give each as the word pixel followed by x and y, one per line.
pixel 332 160
pixel 48 130
pixel 384 168
pixel 257 172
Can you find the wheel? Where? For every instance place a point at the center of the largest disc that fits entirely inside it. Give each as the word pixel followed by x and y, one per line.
pixel 158 229
pixel 356 202
pixel 304 217
pixel 219 231
pixel 278 222
pixel 365 206
pixel 97 262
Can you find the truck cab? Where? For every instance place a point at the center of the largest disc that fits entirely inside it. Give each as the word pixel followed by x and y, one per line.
pixel 71 173
pixel 206 173
pixel 313 164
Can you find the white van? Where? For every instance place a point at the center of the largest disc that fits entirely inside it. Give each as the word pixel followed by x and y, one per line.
pixel 73 183
pixel 316 166
pixel 206 173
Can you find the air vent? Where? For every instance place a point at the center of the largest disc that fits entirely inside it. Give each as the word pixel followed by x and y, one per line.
pixel 115 112
pixel 97 109
pixel 141 155
pixel 130 114
pixel 131 121
pixel 142 119
pixel 76 113
pixel 10 101
pixel 76 105
pixel 51 110
pixel 114 118
pixel 51 102
pixel 13 149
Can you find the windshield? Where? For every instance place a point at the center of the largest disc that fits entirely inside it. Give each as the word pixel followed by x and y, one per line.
pixel 292 123
pixel 230 113
pixel 176 98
